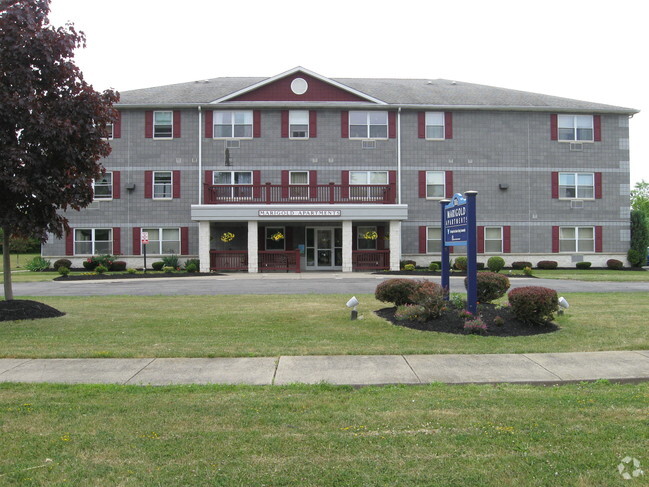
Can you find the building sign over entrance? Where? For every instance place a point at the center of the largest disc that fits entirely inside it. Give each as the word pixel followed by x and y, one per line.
pixel 456 221
pixel 299 212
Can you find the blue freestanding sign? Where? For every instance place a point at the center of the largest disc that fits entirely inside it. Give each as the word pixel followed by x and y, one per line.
pixel 456 221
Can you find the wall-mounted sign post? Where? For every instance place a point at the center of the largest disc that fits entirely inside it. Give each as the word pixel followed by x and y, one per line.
pixel 459 228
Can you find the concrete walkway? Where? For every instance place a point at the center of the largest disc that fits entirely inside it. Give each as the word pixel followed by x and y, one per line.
pixel 356 370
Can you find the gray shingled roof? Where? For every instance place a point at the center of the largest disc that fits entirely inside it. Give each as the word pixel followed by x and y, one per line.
pixel 403 92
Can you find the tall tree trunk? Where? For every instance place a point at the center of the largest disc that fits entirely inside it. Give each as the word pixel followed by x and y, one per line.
pixel 6 262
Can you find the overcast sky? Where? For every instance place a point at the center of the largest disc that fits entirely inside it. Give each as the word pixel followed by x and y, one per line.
pixel 590 50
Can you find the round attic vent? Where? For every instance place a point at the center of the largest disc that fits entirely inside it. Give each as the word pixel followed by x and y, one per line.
pixel 299 86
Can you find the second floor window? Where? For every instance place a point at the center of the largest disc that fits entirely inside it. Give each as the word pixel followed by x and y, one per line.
pixel 435 184
pixel 162 185
pixel 233 124
pixel 576 127
pixel 163 125
pixel 103 187
pixel 576 185
pixel 368 125
pixel 239 184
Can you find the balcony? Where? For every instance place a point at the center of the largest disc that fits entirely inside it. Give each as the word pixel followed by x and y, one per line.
pixel 277 194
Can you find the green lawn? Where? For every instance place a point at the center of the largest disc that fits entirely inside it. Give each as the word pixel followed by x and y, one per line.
pixel 229 326
pixel 436 435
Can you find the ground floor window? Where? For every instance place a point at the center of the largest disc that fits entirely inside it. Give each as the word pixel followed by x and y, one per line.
pixel 493 240
pixel 433 240
pixel 163 241
pixel 576 239
pixel 93 241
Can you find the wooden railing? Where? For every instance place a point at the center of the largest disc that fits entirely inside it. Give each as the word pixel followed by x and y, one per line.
pixel 229 260
pixel 370 260
pixel 274 194
pixel 269 260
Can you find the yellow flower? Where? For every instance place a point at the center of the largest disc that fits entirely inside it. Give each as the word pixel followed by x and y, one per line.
pixel 227 237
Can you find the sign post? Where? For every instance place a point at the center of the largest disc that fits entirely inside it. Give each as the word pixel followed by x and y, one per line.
pixel 145 241
pixel 446 264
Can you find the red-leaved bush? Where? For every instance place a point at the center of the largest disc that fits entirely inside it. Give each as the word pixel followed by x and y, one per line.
pixel 535 305
pixel 395 291
pixel 430 296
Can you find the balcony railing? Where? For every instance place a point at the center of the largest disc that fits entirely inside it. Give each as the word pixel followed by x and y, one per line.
pixel 277 194
pixel 269 260
pixel 370 260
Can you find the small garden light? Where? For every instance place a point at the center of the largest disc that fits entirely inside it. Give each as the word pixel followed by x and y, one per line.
pixel 563 304
pixel 352 303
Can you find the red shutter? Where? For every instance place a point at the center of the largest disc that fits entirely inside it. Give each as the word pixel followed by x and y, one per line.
pixel 422 184
pixel 176 184
pixel 117 126
pixel 598 185
pixel 117 241
pixel 256 124
pixel 391 197
pixel 176 124
pixel 380 240
pixel 148 124
pixel 209 124
pixel 554 127
pixel 598 239
pixel 344 182
pixel 148 184
pixel 313 124
pixel 288 238
pixel 597 128
pixel 421 125
pixel 116 185
pixel 184 240
pixel 555 239
pixel 256 183
pixel 480 239
pixel 448 125
pixel 69 242
pixel 423 237
pixel 392 125
pixel 285 183
pixel 284 124
pixel 313 184
pixel 555 184
pixel 449 184
pixel 207 182
pixel 507 239
pixel 137 240
pixel 344 124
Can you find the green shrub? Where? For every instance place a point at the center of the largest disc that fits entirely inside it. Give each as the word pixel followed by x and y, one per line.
pixel 430 296
pixel 495 263
pixel 491 286
pixel 547 264
pixel 130 271
pixel 461 263
pixel 404 263
pixel 171 261
pixel 90 264
pixel 63 271
pixel 191 267
pixel 433 267
pixel 479 265
pixel 157 266
pixel 118 266
pixel 635 258
pixel 410 312
pixel 62 263
pixel 100 269
pixel 614 264
pixel 583 265
pixel 476 326
pixel 534 305
pixel 38 264
pixel 527 271
pixel 395 291
pixel 457 300
pixel 520 265
pixel 409 267
pixel 168 269
pixel 196 263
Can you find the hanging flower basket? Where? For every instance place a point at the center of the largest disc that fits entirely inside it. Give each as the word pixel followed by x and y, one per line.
pixel 227 237
pixel 370 235
pixel 277 236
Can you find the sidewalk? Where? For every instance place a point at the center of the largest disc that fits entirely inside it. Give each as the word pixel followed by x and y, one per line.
pixel 356 370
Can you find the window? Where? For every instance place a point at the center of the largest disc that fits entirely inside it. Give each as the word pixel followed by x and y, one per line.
pixel 239 184
pixel 368 125
pixel 365 243
pixel 493 240
pixel 162 185
pixel 298 122
pixel 576 239
pixel 365 179
pixel 93 241
pixel 300 181
pixel 576 127
pixel 435 184
pixel 233 124
pixel 163 125
pixel 275 238
pixel 103 187
pixel 576 185
pixel 435 125
pixel 110 131
pixel 433 240
pixel 163 241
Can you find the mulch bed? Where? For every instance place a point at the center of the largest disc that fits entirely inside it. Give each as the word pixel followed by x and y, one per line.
pixel 439 274
pixel 451 322
pixel 24 309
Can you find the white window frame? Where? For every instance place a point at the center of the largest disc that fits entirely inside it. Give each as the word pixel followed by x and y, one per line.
pixel 110 131
pixel 435 120
pixel 298 118
pixel 355 120
pixel 220 116
pixel 162 185
pixel 359 190
pixel 298 190
pixel 576 248
pixel 160 241
pixel 238 190
pixel 579 194
pixel 430 183
pixel 487 231
pixel 433 243
pixel 94 243
pixel 159 126
pixel 364 243
pixel 575 123
pixel 98 182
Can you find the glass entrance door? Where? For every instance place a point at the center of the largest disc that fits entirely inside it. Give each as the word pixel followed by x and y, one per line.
pixel 324 248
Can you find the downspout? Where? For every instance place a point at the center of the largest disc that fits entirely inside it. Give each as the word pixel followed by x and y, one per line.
pixel 399 156
pixel 200 158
